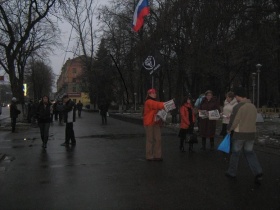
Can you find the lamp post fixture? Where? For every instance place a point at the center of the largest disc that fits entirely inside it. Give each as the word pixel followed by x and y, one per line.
pixel 135 94
pixel 258 72
pixel 254 84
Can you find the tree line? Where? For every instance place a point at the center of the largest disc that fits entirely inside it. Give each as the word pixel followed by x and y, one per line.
pixel 200 45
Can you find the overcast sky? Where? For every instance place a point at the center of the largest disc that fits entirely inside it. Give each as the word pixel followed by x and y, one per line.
pixel 57 59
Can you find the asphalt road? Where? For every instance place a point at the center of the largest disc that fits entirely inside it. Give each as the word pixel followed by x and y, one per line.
pixel 107 170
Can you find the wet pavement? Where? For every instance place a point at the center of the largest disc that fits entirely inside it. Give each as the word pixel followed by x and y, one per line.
pixel 107 170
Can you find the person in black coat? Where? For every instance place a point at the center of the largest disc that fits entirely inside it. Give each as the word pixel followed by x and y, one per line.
pixel 44 111
pixel 14 112
pixel 79 108
pixel 103 107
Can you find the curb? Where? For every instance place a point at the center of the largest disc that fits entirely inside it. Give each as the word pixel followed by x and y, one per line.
pixel 136 120
pixel 130 119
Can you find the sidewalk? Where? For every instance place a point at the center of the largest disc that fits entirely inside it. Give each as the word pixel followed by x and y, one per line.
pixel 268 131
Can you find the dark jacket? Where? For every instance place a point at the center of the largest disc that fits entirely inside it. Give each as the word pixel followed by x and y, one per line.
pixel 59 106
pixel 103 108
pixel 207 128
pixel 69 110
pixel 80 106
pixel 44 113
pixel 14 112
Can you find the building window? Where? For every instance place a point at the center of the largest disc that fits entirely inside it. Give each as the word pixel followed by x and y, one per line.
pixel 74 80
pixel 74 89
pixel 74 70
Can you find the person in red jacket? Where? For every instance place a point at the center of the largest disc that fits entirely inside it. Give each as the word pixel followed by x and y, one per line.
pixel 152 127
pixel 187 122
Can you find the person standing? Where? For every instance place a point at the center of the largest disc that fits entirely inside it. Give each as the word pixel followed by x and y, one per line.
pixel 59 109
pixel 243 123
pixel 152 127
pixel 69 112
pixel 207 128
pixel 55 113
pixel 103 107
pixel 174 114
pixel 79 108
pixel 229 103
pixel 29 111
pixel 44 111
pixel 187 122
pixel 14 112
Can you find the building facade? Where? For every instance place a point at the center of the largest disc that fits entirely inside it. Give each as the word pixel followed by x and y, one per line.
pixel 70 81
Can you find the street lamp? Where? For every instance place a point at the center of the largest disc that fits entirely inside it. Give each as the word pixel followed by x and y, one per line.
pixel 258 72
pixel 254 84
pixel 135 94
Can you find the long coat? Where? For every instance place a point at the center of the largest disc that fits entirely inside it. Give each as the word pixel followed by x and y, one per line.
pixel 207 128
pixel 44 112
pixel 69 111
pixel 14 112
pixel 185 116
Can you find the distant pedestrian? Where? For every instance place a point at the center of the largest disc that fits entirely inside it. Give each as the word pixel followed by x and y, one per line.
pixel 29 111
pixel 69 112
pixel 59 109
pixel 187 122
pixel 52 112
pixel 14 112
pixel 243 123
pixel 55 112
pixel 103 108
pixel 229 103
pixel 79 108
pixel 207 127
pixel 174 114
pixel 44 111
pixel 152 127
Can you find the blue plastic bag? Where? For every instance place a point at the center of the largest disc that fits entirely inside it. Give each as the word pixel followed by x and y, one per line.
pixel 225 144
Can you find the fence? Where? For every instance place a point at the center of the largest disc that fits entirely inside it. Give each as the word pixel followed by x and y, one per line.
pixel 269 112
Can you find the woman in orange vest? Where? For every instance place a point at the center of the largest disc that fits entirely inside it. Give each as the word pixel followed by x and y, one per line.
pixel 152 127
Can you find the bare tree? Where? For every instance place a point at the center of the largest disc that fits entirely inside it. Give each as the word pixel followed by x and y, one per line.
pixel 39 78
pixel 81 16
pixel 204 44
pixel 25 30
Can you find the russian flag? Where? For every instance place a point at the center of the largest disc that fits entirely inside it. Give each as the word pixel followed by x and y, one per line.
pixel 142 9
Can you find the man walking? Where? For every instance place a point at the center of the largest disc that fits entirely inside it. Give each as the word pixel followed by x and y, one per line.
pixel 14 112
pixel 243 123
pixel 79 107
pixel 69 110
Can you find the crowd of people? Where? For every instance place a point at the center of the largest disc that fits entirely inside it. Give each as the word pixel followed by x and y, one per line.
pixel 238 120
pixel 43 112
